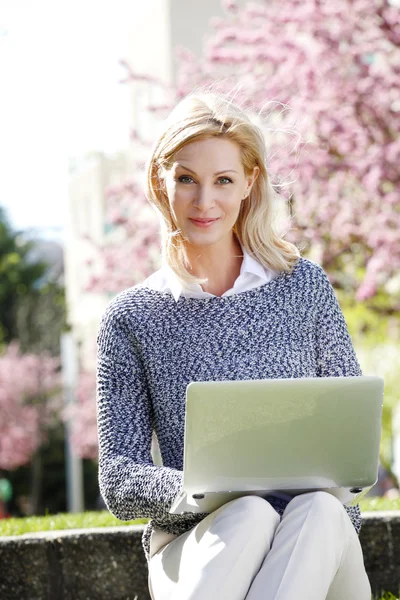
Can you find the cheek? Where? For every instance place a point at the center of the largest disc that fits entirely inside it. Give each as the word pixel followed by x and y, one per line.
pixel 233 201
pixel 179 196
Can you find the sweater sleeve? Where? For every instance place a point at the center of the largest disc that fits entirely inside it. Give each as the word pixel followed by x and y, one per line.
pixel 131 485
pixel 335 353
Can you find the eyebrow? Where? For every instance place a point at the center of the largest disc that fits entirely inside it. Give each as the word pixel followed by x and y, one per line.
pixel 194 172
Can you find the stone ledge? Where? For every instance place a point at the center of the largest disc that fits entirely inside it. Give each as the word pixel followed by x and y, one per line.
pixel 380 541
pixel 109 564
pixel 82 564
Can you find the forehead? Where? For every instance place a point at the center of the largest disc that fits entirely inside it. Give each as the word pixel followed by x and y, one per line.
pixel 211 150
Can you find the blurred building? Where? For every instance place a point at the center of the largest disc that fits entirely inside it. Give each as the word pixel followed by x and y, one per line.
pixel 89 179
pixel 159 28
pixel 49 251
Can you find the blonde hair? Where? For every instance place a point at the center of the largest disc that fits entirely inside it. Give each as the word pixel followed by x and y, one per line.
pixel 200 116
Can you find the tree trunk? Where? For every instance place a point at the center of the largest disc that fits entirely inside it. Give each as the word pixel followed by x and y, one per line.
pixel 36 484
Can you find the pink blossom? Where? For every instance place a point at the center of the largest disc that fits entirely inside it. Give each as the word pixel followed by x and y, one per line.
pixel 336 64
pixel 29 396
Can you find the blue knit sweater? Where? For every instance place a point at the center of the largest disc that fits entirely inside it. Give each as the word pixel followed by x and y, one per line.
pixel 150 347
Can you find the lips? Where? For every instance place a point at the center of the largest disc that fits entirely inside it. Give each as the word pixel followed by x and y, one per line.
pixel 203 220
pixel 203 223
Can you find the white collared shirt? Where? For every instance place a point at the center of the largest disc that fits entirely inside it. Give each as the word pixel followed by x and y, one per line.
pixel 252 274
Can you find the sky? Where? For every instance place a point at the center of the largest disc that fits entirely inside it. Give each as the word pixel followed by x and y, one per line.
pixel 60 97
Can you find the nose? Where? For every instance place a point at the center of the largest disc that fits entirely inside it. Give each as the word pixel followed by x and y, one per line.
pixel 204 199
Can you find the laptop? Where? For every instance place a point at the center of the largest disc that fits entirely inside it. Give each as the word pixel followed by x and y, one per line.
pixel 279 437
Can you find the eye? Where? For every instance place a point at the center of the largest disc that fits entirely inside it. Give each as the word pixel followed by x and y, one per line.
pixel 224 180
pixel 185 179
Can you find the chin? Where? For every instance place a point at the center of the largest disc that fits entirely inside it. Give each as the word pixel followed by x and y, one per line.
pixel 203 241
pixel 206 240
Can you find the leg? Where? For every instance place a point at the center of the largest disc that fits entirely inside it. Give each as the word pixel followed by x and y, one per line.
pixel 219 557
pixel 315 555
pixel 351 580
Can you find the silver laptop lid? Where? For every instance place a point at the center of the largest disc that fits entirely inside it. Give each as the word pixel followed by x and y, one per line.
pixel 282 434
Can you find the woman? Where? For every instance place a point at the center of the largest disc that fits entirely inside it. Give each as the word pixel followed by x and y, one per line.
pixel 232 301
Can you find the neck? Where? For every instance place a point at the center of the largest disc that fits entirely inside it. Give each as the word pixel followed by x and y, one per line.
pixel 221 266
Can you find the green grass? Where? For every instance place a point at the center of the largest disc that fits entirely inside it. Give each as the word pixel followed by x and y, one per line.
pixel 376 503
pixel 16 526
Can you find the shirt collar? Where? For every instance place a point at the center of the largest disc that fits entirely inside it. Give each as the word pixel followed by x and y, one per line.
pixel 250 266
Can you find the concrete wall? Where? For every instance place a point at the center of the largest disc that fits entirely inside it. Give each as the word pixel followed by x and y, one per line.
pixel 109 563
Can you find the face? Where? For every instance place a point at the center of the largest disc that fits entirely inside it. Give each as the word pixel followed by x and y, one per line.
pixel 206 186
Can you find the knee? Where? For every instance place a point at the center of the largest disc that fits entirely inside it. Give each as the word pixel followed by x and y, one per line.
pixel 251 521
pixel 322 505
pixel 250 510
pixel 327 502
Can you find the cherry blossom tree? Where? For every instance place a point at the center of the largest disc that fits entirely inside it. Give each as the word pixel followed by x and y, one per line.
pixel 30 400
pixel 333 68
pixel 82 416
pixel 337 66
pixel 131 249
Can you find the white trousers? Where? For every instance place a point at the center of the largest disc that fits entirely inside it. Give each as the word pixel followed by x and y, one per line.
pixel 243 551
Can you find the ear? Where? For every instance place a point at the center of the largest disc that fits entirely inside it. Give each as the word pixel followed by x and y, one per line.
pixel 250 179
